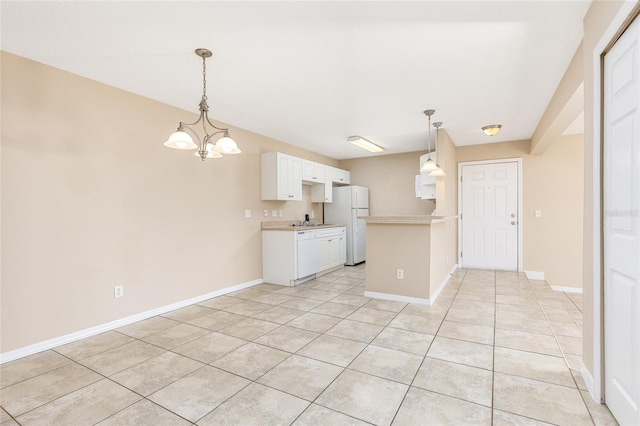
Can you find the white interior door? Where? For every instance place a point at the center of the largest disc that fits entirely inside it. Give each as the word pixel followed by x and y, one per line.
pixel 621 186
pixel 489 222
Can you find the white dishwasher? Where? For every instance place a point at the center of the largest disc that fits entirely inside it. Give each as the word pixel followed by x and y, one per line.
pixel 307 253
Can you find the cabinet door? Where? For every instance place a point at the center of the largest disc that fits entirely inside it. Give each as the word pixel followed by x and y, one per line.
pixel 342 177
pixel 280 177
pixel 295 179
pixel 283 176
pixel 334 253
pixel 322 193
pixel 324 255
pixel 319 171
pixel 328 192
pixel 429 192
pixel 308 170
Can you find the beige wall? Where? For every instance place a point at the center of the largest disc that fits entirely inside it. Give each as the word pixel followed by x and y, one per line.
pixel 391 183
pixel 596 22
pixel 447 186
pixel 399 246
pixel 92 199
pixel 552 183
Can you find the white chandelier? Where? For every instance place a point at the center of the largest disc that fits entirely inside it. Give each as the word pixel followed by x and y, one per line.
pixel 181 139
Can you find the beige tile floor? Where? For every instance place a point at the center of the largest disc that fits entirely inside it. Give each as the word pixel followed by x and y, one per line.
pixel 495 348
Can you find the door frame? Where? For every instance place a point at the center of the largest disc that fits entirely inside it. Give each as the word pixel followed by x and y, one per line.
pixel 520 197
pixel 620 22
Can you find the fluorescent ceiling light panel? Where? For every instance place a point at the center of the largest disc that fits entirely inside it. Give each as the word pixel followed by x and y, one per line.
pixel 365 144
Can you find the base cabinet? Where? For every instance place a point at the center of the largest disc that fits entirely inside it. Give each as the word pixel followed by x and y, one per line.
pixel 332 252
pixel 281 251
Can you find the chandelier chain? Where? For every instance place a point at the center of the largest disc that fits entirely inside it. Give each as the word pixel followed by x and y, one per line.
pixel 204 79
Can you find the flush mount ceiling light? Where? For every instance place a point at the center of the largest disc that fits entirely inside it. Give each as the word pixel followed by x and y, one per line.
pixel 492 129
pixel 429 165
pixel 365 144
pixel 181 139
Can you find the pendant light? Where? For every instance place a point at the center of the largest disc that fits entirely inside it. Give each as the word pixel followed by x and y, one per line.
pixel 429 165
pixel 438 170
pixel 181 139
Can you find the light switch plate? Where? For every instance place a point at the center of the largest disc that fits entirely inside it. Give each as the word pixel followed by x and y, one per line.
pixel 538 213
pixel 247 213
pixel 274 213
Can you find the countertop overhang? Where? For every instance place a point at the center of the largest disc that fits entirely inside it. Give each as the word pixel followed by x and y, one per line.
pixel 407 220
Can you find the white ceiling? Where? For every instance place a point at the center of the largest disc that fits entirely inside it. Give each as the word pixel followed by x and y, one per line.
pixel 313 73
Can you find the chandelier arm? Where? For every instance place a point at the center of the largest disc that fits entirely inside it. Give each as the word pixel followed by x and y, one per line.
pixel 214 126
pixel 192 124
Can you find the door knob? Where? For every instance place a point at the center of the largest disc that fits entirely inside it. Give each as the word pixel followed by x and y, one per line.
pixel 513 222
pixel 513 215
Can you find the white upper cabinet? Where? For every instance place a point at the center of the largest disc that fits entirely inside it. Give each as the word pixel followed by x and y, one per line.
pixel 313 172
pixel 322 193
pixel 281 177
pixel 340 177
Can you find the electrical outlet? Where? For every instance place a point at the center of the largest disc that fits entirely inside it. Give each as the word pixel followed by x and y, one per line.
pixel 265 213
pixel 118 291
pixel 400 274
pixel 247 213
pixel 538 213
pixel 280 213
pixel 313 214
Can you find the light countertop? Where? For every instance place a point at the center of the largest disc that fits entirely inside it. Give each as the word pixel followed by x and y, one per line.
pixel 294 226
pixel 407 220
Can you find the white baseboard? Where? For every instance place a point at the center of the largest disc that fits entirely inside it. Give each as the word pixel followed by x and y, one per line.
pixel 443 284
pixel 72 337
pixel 535 275
pixel 408 299
pixel 588 381
pixel 567 289
pixel 396 298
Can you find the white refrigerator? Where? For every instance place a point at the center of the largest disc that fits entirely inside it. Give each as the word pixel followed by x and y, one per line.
pixel 350 202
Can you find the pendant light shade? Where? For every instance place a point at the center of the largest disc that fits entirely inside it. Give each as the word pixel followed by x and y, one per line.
pixel 438 172
pixel 180 140
pixel 428 166
pixel 226 145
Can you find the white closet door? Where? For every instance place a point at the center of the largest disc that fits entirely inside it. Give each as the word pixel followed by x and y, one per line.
pixel 621 227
